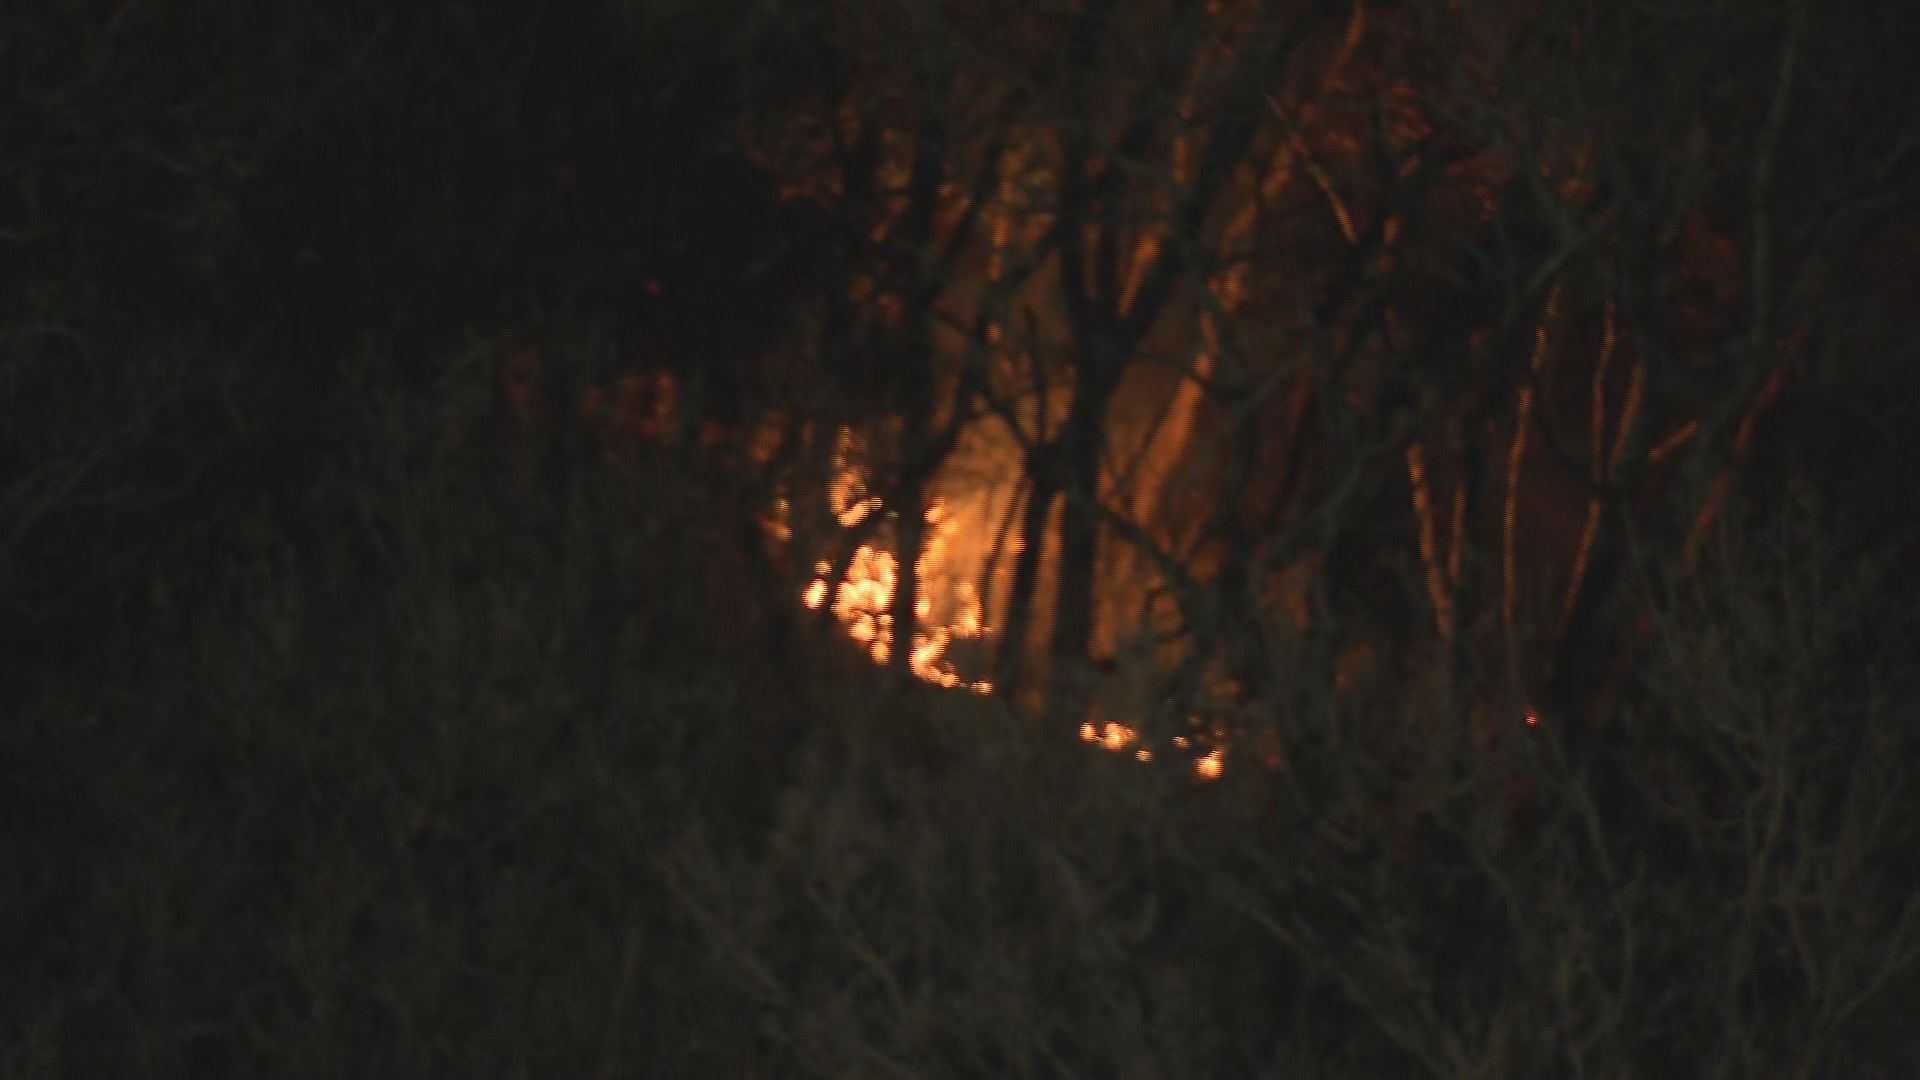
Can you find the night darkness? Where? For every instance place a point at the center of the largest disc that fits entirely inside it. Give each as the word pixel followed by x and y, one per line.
pixel 1085 538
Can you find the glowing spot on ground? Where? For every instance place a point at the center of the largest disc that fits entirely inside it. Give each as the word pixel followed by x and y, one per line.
pixel 1211 766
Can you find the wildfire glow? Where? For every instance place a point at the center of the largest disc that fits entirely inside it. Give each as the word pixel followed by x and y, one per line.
pixel 862 600
pixel 1111 736
pixel 948 610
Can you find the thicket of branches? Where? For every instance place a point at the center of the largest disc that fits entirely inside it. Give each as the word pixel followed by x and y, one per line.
pixel 391 686
pixel 487 779
pixel 1416 317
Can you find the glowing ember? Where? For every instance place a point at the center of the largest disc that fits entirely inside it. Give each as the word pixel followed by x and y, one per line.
pixel 816 594
pixel 947 611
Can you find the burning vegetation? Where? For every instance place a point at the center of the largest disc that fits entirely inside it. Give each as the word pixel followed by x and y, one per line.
pixel 987 538
pixel 947 610
pixel 1289 316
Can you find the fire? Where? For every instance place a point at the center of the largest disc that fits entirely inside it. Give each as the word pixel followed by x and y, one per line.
pixel 863 603
pixel 1111 736
pixel 949 610
pixel 1116 737
pixel 862 600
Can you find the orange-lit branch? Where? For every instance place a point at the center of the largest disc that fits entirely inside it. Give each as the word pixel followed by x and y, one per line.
pixel 1516 456
pixel 1742 446
pixel 1437 583
pixel 1596 470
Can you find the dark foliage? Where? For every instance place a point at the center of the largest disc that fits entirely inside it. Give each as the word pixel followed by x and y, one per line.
pixel 366 710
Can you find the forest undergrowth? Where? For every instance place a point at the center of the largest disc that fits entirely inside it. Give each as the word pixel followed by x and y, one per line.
pixel 450 768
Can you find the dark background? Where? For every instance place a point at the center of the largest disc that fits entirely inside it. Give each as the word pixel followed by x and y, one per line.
pixel 329 746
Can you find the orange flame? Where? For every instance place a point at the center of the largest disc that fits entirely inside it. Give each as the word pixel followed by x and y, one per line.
pixel 862 600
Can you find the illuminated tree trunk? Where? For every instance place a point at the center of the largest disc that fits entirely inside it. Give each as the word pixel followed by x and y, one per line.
pixel 1010 666
pixel 1081 444
pixel 908 538
pixel 917 385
